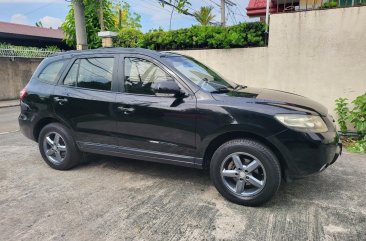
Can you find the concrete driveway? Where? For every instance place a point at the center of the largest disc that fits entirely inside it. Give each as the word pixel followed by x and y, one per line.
pixel 120 199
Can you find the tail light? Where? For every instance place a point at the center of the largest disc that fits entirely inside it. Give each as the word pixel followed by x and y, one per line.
pixel 23 93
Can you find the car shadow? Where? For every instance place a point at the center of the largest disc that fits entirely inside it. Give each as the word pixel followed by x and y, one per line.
pixel 288 194
pixel 151 169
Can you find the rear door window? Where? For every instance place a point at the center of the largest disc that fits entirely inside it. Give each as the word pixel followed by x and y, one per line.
pixel 91 73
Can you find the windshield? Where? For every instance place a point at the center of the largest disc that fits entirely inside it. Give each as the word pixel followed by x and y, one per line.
pixel 199 74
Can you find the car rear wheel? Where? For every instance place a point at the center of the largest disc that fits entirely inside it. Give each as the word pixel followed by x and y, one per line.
pixel 245 172
pixel 57 147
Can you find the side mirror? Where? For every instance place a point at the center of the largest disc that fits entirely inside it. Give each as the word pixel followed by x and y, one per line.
pixel 167 88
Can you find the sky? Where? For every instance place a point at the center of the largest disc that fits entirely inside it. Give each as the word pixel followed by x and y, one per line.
pixel 52 12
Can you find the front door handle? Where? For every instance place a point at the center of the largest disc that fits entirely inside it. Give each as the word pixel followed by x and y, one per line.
pixel 126 110
pixel 60 100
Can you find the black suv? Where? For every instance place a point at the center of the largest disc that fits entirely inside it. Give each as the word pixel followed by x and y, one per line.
pixel 168 108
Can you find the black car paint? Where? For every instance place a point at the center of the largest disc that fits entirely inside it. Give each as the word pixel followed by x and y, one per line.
pixel 174 130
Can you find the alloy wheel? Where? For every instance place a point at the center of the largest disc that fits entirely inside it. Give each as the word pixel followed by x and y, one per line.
pixel 243 174
pixel 54 147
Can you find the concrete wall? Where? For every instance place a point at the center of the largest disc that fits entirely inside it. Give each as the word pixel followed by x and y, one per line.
pixel 14 75
pixel 318 54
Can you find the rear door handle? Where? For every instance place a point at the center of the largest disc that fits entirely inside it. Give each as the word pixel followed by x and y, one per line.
pixel 60 100
pixel 126 110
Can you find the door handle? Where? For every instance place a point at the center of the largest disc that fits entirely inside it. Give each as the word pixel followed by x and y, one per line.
pixel 126 110
pixel 60 100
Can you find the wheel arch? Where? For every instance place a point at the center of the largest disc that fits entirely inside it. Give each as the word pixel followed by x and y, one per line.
pixel 228 136
pixel 42 123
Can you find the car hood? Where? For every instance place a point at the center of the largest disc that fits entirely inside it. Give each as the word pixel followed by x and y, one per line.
pixel 277 98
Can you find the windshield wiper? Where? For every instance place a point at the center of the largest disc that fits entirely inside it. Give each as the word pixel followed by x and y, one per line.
pixel 220 90
pixel 239 87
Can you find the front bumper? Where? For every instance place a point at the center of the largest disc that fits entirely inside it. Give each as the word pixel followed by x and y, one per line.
pixel 307 153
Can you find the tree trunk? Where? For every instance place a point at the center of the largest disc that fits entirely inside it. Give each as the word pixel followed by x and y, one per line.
pixel 80 28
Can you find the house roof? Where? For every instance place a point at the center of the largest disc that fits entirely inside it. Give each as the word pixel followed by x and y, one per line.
pixel 257 8
pixel 27 30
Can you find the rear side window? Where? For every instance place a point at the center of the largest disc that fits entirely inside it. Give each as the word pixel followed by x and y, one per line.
pixel 91 73
pixel 50 73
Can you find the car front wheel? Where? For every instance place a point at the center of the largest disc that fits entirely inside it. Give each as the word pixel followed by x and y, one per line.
pixel 245 172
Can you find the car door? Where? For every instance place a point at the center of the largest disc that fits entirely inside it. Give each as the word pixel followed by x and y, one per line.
pixel 157 127
pixel 85 96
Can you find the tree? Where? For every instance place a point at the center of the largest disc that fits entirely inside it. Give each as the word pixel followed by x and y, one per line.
pixel 123 18
pixel 204 16
pixel 39 24
pixel 92 23
pixel 94 20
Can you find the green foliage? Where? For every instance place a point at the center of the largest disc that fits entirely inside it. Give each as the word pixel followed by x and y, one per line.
pixel 8 50
pixel 180 5
pixel 207 37
pixel 355 116
pixel 91 21
pixel 39 24
pixel 122 16
pixel 204 16
pixel 331 4
pixel 342 113
pixel 358 146
pixel 129 38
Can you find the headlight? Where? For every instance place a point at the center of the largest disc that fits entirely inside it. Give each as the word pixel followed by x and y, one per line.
pixel 305 123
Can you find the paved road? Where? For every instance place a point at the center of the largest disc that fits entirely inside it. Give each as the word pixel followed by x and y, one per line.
pixel 119 199
pixel 9 119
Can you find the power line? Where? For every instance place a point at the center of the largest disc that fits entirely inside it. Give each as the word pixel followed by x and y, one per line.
pixel 239 11
pixel 147 5
pixel 172 5
pixel 36 9
pixel 218 5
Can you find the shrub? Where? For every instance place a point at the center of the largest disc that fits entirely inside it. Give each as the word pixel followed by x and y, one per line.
pixel 356 116
pixel 342 113
pixel 208 37
pixel 9 50
pixel 331 4
pixel 129 38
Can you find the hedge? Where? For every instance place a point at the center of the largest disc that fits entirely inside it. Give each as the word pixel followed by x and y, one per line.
pixel 196 37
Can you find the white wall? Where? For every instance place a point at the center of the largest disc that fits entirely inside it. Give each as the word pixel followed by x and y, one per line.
pixel 318 54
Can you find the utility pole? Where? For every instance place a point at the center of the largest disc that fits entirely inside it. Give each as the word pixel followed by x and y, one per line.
pixel 80 28
pixel 223 12
pixel 266 34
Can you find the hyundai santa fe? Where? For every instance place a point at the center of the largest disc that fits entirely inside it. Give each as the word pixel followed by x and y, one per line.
pixel 169 108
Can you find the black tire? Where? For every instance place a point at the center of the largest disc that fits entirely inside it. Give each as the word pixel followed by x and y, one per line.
pixel 269 165
pixel 69 158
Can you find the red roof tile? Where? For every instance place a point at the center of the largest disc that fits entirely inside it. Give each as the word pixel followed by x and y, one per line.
pixel 20 29
pixel 257 8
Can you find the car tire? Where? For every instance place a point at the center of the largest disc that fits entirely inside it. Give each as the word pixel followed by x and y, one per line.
pixel 58 147
pixel 233 174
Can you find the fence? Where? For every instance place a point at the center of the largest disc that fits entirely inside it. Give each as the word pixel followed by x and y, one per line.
pixel 26 52
pixel 306 5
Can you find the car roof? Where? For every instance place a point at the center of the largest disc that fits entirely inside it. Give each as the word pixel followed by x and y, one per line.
pixel 147 52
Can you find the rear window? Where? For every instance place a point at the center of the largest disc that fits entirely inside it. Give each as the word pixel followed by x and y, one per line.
pixel 51 72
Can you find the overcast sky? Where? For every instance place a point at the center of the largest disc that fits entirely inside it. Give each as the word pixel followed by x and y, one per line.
pixel 52 12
